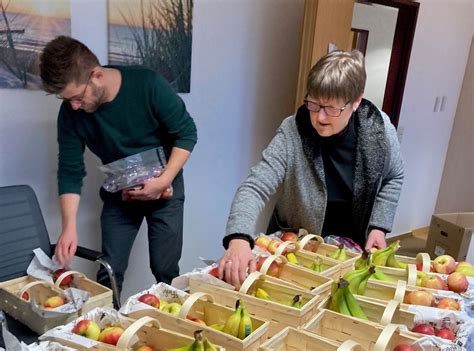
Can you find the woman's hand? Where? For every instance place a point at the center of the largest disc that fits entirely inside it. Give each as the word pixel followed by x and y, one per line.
pixel 375 239
pixel 238 261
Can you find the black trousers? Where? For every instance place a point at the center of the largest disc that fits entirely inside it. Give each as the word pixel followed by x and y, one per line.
pixel 120 222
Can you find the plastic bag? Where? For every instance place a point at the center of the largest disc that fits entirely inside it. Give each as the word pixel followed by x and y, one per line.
pixel 350 244
pixel 132 171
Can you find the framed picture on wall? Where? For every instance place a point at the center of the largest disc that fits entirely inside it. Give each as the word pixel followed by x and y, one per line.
pixel 154 34
pixel 25 28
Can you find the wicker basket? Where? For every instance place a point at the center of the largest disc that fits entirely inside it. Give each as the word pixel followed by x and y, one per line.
pixel 11 302
pixel 201 305
pixel 291 339
pixel 297 276
pixel 381 312
pixel 371 337
pixel 379 290
pixel 277 314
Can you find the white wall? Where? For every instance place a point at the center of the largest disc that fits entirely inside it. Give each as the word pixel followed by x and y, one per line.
pixel 380 21
pixel 437 64
pixel 244 71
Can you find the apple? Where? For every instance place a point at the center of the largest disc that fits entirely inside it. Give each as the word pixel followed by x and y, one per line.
pixel 432 281
pixel 273 245
pixel 419 277
pixel 404 347
pixel 445 334
pixel 262 242
pixel 67 279
pixel 444 264
pixel 289 236
pixel 172 308
pixel 424 328
pixel 465 268
pixel 457 282
pixel 111 335
pixel 196 320
pixel 273 270
pixel 448 303
pixel 143 348
pixel 419 297
pixel 87 328
pixel 53 302
pixel 25 296
pixel 214 272
pixel 150 299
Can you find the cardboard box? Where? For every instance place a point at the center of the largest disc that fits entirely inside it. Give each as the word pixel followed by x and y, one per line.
pixel 451 234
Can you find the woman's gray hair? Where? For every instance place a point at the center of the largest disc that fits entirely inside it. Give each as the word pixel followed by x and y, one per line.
pixel 338 75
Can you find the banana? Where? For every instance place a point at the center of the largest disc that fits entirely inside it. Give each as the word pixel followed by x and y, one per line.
pixel 232 323
pixel 292 258
pixel 317 265
pixel 245 327
pixel 379 275
pixel 340 301
pixel 363 261
pixel 189 347
pixel 262 294
pixel 198 344
pixel 342 255
pixel 209 346
pixel 363 283
pixel 379 258
pixel 217 326
pixel 353 304
pixel 335 255
pixel 296 302
pixel 354 278
pixel 393 262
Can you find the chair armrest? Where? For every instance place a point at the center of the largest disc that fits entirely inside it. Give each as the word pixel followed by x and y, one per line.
pixel 88 254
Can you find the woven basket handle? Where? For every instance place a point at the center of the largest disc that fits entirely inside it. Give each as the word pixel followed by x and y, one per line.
pixel 64 275
pixel 425 260
pixel 304 240
pixel 31 284
pixel 283 246
pixel 252 278
pixel 400 291
pixel 411 272
pixel 385 337
pixel 183 312
pixel 124 339
pixel 269 261
pixel 348 345
pixel 389 311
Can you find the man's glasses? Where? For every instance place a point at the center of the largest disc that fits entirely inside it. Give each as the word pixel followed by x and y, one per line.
pixel 329 110
pixel 77 99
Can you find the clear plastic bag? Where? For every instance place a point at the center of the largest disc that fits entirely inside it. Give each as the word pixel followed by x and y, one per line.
pixel 132 171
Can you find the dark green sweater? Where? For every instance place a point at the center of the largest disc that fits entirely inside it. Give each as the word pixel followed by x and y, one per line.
pixel 146 113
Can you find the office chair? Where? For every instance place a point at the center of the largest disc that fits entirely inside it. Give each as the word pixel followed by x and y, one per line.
pixel 22 229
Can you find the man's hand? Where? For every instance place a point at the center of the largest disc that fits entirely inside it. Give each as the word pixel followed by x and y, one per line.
pixel 237 262
pixel 66 247
pixel 375 239
pixel 152 189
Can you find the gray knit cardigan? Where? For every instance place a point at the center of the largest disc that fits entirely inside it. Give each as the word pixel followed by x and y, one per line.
pixel 292 167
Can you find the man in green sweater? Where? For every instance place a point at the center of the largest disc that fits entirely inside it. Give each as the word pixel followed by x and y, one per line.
pixel 118 111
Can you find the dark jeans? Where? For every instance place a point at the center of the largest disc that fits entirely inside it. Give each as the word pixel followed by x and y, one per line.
pixel 120 222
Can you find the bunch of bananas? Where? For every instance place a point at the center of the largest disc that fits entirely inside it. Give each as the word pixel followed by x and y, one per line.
pixel 201 343
pixel 239 323
pixel 386 256
pixel 363 261
pixel 357 279
pixel 344 302
pixel 318 265
pixel 262 294
pixel 340 253
pixel 379 275
pixel 292 258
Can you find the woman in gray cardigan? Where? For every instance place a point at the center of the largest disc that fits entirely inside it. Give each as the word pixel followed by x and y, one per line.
pixel 335 164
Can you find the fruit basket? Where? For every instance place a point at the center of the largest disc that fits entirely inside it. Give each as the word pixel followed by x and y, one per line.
pixel 200 311
pixel 291 339
pixel 371 337
pixel 315 243
pixel 279 314
pixel 293 275
pixel 15 297
pixel 122 333
pixel 393 275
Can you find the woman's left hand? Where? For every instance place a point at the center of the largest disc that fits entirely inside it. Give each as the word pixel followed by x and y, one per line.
pixel 375 239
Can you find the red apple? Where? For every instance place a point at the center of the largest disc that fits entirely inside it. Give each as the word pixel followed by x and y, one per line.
pixel 111 335
pixel 214 272
pixel 143 348
pixel 87 328
pixel 262 242
pixel 424 329
pixel 273 246
pixel 67 279
pixel 25 296
pixel 196 320
pixel 448 303
pixel 445 334
pixel 444 264
pixel 432 281
pixel 273 270
pixel 150 299
pixel 289 236
pixel 457 282
pixel 404 347
pixel 419 297
pixel 53 302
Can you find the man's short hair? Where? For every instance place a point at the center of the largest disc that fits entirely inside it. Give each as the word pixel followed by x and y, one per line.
pixel 65 60
pixel 338 75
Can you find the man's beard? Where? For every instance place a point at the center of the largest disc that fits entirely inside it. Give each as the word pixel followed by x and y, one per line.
pixel 98 94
